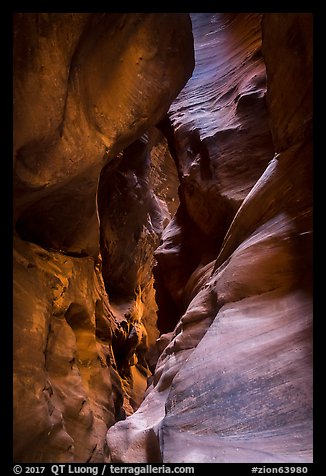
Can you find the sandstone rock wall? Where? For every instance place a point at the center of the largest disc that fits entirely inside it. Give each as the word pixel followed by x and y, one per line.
pixel 66 385
pixel 87 89
pixel 234 380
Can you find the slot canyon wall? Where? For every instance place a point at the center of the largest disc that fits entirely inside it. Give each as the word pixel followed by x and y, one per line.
pixel 163 237
pixel 89 211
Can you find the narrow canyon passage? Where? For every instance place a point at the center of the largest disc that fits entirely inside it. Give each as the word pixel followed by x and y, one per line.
pixel 162 237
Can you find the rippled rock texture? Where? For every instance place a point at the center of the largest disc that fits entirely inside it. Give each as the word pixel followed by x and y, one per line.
pixel 88 92
pixel 233 382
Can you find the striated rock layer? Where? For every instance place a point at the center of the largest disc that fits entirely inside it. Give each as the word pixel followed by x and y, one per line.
pixel 233 382
pixel 88 92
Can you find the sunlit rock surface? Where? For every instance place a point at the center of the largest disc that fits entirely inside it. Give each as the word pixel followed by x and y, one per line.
pixel 234 381
pixel 85 87
pixel 65 377
pixel 88 92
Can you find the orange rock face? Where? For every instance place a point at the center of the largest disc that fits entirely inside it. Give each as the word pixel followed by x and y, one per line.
pixel 86 89
pixel 65 380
